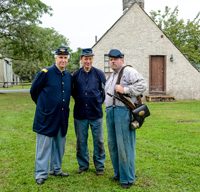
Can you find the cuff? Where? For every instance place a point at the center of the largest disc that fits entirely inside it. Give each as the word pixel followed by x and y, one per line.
pixel 126 90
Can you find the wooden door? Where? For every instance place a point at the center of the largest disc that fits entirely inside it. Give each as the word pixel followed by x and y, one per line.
pixel 157 74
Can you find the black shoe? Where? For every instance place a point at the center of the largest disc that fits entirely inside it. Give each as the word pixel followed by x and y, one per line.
pixel 40 181
pixel 61 174
pixel 126 185
pixel 100 172
pixel 81 170
pixel 113 179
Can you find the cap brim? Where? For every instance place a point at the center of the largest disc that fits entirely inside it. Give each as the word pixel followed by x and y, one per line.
pixel 87 54
pixel 62 53
pixel 116 56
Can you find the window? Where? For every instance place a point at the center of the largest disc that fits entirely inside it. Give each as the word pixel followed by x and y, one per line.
pixel 107 68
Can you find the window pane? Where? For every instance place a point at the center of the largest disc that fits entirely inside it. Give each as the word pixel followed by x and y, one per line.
pixel 106 64
pixel 111 70
pixel 106 57
pixel 106 70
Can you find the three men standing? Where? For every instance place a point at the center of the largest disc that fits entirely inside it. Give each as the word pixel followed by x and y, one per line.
pixel 51 90
pixel 88 93
pixel 51 93
pixel 121 140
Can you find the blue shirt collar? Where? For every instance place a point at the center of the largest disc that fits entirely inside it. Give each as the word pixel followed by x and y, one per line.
pixel 82 70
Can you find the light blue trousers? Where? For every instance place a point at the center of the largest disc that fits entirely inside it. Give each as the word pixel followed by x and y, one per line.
pixel 81 129
pixel 49 148
pixel 121 143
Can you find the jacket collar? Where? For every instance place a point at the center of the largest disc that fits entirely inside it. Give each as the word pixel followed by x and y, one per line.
pixel 58 71
pixel 82 70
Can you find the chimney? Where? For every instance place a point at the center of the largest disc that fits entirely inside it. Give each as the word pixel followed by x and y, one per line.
pixel 128 3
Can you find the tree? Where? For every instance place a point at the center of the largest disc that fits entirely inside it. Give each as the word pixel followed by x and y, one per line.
pixel 186 36
pixel 45 41
pixel 31 47
pixel 18 27
pixel 25 70
pixel 74 61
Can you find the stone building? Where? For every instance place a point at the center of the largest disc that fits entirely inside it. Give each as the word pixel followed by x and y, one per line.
pixel 150 52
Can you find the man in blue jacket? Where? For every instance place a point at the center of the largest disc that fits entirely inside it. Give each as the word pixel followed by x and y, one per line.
pixel 51 93
pixel 88 93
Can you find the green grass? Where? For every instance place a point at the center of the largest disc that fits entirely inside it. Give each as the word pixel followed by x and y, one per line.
pixel 25 86
pixel 167 150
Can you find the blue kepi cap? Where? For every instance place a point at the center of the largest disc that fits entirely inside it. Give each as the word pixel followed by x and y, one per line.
pixel 62 51
pixel 115 53
pixel 87 52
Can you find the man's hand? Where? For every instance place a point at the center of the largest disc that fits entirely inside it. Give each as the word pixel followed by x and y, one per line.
pixel 119 88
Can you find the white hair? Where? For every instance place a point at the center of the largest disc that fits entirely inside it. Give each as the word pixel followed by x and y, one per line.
pixel 57 56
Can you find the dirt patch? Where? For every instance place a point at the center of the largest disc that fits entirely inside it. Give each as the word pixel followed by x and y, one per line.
pixel 186 121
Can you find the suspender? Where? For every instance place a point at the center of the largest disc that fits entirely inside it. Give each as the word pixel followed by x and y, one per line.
pixel 121 96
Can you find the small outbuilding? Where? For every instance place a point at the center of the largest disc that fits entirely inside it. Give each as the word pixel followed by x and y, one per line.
pixel 6 72
pixel 146 47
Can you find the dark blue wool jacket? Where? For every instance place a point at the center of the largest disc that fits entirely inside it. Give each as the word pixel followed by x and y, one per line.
pixel 51 92
pixel 88 93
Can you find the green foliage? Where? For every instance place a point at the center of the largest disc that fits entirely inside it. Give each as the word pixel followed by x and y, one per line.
pixel 26 70
pixel 167 150
pixel 42 47
pixel 21 39
pixel 186 36
pixel 74 61
pixel 18 27
pixel 197 65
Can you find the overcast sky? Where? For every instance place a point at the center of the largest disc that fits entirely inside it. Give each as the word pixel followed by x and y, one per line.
pixel 81 20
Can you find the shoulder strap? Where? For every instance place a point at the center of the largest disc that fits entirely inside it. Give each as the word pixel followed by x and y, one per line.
pixel 121 73
pixel 129 103
pixel 45 70
pixel 121 96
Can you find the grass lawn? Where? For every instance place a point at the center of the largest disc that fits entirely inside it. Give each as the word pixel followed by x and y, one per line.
pixel 25 86
pixel 167 150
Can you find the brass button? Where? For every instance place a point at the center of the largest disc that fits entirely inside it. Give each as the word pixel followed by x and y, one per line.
pixel 63 100
pixel 87 73
pixel 62 82
pixel 86 105
pixel 62 108
pixel 62 73
pixel 85 93
pixel 63 91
